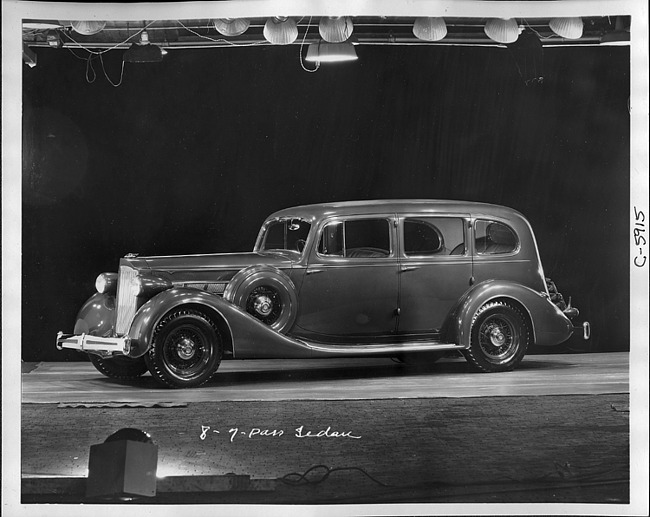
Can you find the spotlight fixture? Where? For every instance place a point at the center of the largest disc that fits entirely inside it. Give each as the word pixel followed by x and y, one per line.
pixel 231 26
pixel 430 29
pixel 502 30
pixel 335 29
pixel 143 52
pixel 280 30
pixel 88 27
pixel 323 52
pixel 123 467
pixel 569 28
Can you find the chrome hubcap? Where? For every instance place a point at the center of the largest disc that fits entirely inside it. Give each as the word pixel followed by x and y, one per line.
pixel 497 337
pixel 263 305
pixel 186 348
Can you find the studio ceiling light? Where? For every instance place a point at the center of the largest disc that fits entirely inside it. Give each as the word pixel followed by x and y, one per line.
pixel 501 30
pixel 88 27
pixel 143 52
pixel 430 29
pixel 569 28
pixel 323 52
pixel 335 29
pixel 280 30
pixel 231 26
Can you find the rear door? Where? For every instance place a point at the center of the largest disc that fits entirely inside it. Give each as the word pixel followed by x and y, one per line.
pixel 435 268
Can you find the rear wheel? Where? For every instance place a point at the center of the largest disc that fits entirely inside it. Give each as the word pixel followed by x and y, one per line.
pixel 119 367
pixel 186 349
pixel 499 338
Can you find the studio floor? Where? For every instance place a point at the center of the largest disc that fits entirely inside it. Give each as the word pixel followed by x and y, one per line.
pixel 354 431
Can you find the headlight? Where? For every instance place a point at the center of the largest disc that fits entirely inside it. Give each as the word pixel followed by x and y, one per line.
pixel 106 283
pixel 149 285
pixel 137 286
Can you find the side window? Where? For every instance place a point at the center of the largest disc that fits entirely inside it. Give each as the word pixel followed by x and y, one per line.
pixel 426 236
pixel 357 238
pixel 493 238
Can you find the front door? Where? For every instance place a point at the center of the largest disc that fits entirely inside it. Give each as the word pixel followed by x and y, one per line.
pixel 350 287
pixel 434 272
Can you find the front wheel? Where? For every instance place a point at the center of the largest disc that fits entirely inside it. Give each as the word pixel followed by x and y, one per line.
pixel 499 338
pixel 119 367
pixel 186 349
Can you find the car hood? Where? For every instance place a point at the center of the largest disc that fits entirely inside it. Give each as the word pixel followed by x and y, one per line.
pixel 211 262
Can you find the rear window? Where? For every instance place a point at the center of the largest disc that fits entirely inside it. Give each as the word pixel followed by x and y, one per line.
pixel 494 238
pixel 427 236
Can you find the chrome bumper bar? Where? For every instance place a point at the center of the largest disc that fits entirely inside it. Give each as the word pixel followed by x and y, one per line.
pixel 93 344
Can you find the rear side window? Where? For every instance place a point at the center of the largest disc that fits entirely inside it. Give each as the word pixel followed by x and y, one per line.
pixel 357 238
pixel 427 236
pixel 494 238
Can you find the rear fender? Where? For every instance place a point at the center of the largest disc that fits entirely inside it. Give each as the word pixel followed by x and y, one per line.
pixel 549 326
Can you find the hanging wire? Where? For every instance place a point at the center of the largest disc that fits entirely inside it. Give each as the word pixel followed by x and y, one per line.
pixel 89 68
pixel 101 59
pixel 302 44
pixel 536 32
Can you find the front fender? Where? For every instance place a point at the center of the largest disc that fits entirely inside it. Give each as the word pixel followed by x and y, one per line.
pixel 549 326
pixel 96 316
pixel 249 337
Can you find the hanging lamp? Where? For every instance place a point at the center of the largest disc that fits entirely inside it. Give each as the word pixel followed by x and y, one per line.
pixel 335 29
pixel 430 29
pixel 502 30
pixel 88 27
pixel 143 52
pixel 280 30
pixel 324 52
pixel 569 28
pixel 231 26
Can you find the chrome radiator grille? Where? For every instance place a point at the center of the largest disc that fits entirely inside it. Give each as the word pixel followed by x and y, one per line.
pixel 126 301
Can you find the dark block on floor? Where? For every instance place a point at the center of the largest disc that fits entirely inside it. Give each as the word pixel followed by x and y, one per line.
pixel 122 468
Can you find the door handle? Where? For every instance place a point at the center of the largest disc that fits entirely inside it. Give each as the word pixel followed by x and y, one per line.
pixel 404 269
pixel 314 271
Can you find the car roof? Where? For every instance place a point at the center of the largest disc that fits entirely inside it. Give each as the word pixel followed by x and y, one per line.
pixel 383 206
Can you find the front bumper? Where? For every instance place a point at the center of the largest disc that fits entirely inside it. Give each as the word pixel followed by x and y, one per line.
pixel 94 344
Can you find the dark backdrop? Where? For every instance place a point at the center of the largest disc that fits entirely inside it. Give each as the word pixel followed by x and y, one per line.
pixel 190 155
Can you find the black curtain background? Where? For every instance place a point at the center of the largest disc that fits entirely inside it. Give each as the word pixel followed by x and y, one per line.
pixel 191 154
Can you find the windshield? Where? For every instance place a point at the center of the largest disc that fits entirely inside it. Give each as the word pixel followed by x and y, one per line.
pixel 286 234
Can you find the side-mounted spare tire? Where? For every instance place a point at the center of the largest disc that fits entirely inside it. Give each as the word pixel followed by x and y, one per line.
pixel 499 337
pixel 119 367
pixel 265 293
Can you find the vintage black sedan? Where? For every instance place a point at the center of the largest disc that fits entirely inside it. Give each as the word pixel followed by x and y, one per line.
pixel 410 279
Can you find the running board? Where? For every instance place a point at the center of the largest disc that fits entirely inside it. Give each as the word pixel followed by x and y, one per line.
pixel 374 349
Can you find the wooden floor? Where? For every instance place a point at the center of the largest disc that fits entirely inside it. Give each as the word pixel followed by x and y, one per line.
pixel 556 430
pixel 337 379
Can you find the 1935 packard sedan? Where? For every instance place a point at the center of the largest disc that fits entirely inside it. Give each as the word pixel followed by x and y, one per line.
pixel 410 279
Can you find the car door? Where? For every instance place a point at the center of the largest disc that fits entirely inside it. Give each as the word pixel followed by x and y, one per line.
pixel 350 286
pixel 435 270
